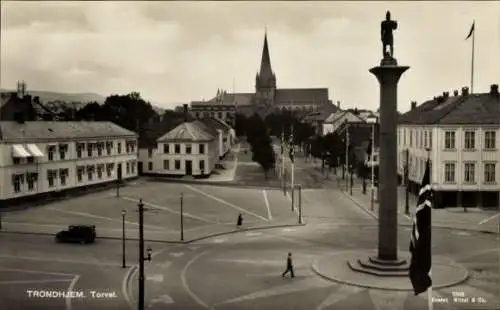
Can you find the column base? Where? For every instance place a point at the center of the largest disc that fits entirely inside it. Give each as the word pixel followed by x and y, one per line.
pixel 378 267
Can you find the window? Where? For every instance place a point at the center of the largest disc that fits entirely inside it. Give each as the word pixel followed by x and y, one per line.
pixel 219 115
pixel 51 150
pixel 89 149
pixel 63 174
pixel 489 173
pixel 119 147
pixel 202 148
pixel 17 179
pixel 404 136
pixel 79 149
pixel 109 146
pixel 449 172
pixel 51 174
pixel 79 173
pixel 430 171
pixel 430 139
pixel 489 140
pixel 32 178
pixel 166 164
pixel 177 165
pixel 127 168
pixel 449 140
pixel 133 163
pixel 469 173
pixel 177 149
pixel 63 148
pixel 99 148
pixel 16 160
pixel 127 147
pixel 425 139
pixel 469 140
pixel 411 137
pixel 109 170
pixel 188 148
pixel 202 165
pixel 30 160
pixel 90 172
pixel 150 166
pixel 166 148
pixel 150 152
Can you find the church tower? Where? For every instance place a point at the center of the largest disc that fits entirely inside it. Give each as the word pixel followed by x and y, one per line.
pixel 265 80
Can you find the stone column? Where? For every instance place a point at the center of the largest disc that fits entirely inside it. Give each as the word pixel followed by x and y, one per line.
pixel 388 74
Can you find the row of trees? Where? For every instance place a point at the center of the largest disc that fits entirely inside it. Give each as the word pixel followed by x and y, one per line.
pixel 260 142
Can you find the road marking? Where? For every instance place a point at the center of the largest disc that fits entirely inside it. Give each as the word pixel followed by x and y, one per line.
pixel 155 278
pixel 100 217
pixel 178 254
pixel 488 219
pixel 462 233
pixel 170 210
pixel 56 260
pixel 408 217
pixel 37 272
pixel 219 240
pixel 70 289
pixel 226 203
pixel 184 281
pixel 252 234
pixel 288 229
pixel 162 299
pixel 164 265
pixel 295 286
pixel 340 293
pixel 269 216
pixel 34 281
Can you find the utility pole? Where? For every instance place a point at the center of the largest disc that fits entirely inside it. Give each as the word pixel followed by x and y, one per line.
pixel 347 155
pixel 141 255
pixel 406 178
pixel 124 212
pixel 182 216
pixel 292 186
pixel 300 203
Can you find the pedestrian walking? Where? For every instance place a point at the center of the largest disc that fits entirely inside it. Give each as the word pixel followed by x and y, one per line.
pixel 239 222
pixel 289 266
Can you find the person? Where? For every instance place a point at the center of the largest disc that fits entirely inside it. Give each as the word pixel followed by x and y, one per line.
pixel 289 266
pixel 239 222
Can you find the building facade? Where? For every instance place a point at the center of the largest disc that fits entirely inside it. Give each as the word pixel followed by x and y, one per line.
pixel 460 136
pixel 40 158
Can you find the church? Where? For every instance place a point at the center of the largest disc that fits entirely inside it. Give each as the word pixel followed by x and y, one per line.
pixel 266 98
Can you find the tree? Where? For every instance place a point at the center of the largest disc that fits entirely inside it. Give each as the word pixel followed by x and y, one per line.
pixel 261 143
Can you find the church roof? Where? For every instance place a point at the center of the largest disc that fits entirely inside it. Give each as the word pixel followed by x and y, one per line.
pixel 265 63
pixel 240 99
pixel 297 96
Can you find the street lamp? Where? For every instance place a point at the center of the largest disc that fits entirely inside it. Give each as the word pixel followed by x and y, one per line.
pixel 124 212
pixel 182 216
pixel 141 254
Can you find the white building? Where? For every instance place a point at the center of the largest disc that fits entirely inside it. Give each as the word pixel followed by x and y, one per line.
pixel 338 119
pixel 188 149
pixel 40 158
pixel 461 135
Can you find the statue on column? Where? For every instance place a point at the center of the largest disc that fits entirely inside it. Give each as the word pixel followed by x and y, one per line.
pixel 386 28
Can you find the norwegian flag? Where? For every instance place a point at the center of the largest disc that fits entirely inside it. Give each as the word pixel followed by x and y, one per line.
pixel 420 243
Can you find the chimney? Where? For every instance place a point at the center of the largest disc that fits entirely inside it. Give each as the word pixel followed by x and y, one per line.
pixel 413 105
pixel 494 90
pixel 465 91
pixel 338 104
pixel 185 112
pixel 455 92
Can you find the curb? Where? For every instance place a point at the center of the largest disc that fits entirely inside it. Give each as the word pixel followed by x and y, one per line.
pixel 363 208
pixel 232 184
pixel 126 285
pixel 212 235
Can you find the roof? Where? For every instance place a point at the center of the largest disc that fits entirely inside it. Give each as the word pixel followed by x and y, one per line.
pixel 457 110
pixel 301 95
pixel 239 99
pixel 188 131
pixel 216 124
pixel 43 130
pixel 322 114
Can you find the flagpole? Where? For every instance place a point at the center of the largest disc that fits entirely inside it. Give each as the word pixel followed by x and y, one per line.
pixel 429 290
pixel 472 60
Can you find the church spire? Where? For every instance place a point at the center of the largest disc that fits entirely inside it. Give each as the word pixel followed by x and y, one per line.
pixel 265 64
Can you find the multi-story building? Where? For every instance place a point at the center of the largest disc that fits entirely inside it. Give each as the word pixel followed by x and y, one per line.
pixel 42 158
pixel 460 136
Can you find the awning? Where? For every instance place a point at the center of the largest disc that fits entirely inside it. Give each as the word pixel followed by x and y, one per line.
pixel 18 151
pixel 34 150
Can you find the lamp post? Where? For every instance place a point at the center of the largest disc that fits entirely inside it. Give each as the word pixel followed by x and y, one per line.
pixel 300 203
pixel 182 216
pixel 124 212
pixel 372 167
pixel 406 180
pixel 141 254
pixel 347 155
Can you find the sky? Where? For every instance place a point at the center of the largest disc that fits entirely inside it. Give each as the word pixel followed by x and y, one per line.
pixel 177 52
